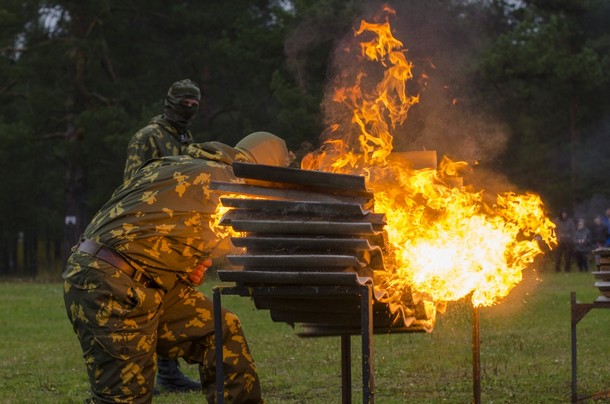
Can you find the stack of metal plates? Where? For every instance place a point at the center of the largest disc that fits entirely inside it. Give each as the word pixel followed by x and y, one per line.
pixel 304 232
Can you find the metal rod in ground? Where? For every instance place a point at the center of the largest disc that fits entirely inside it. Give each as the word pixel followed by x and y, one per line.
pixel 476 357
pixel 346 369
pixel 220 389
pixel 573 334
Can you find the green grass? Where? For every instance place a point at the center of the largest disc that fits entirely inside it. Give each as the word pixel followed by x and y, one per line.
pixel 525 351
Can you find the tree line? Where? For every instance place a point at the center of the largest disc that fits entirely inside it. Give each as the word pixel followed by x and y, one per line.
pixel 520 89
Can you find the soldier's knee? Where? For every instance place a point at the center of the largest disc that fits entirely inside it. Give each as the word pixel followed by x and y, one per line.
pixel 232 322
pixel 231 318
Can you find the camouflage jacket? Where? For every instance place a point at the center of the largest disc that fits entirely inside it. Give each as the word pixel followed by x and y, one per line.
pixel 159 219
pixel 157 139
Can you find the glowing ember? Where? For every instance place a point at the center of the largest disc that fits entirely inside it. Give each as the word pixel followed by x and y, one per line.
pixel 446 243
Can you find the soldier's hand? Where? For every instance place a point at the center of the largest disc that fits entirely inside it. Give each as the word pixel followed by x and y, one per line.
pixel 197 276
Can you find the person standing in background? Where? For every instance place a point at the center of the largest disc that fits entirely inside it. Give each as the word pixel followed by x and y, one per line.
pixel 599 235
pixel 582 245
pixel 606 221
pixel 599 232
pixel 167 134
pixel 564 229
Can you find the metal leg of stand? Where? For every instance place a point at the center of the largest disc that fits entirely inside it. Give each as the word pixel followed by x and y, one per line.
pixel 573 323
pixel 346 369
pixel 218 347
pixel 476 356
pixel 366 321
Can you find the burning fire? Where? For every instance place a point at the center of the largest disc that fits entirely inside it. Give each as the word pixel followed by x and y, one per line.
pixel 224 233
pixel 445 242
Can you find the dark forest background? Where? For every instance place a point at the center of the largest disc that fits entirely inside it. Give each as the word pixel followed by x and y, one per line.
pixel 522 88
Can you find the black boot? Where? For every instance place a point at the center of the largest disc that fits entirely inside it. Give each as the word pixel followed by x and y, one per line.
pixel 170 378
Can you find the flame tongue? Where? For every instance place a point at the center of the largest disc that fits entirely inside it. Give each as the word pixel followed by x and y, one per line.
pixel 365 139
pixel 445 242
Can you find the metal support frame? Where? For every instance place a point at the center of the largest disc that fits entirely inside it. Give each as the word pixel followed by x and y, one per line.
pixel 476 356
pixel 579 311
pixel 365 293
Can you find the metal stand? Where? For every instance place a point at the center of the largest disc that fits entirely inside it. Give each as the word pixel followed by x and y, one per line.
pixel 366 331
pixel 476 357
pixel 579 311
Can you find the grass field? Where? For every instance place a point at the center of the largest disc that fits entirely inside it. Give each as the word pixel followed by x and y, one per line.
pixel 525 351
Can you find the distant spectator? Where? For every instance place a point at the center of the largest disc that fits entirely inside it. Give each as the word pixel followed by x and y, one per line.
pixel 582 245
pixel 599 232
pixel 565 229
pixel 599 235
pixel 606 221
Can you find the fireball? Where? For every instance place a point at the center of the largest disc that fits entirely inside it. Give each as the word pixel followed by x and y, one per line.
pixel 445 242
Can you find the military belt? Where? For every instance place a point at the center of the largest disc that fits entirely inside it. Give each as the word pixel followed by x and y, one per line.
pixel 113 258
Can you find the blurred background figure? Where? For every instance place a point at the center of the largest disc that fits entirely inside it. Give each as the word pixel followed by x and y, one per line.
pixel 582 245
pixel 605 219
pixel 565 229
pixel 599 235
pixel 599 232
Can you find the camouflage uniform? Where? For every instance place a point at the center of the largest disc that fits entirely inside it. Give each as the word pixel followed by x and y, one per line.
pixel 158 220
pixel 157 139
pixel 166 134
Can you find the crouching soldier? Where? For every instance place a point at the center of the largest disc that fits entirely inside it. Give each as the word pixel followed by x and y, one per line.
pixel 130 284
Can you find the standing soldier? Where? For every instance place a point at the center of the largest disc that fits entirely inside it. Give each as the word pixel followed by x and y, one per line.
pixel 167 135
pixel 130 284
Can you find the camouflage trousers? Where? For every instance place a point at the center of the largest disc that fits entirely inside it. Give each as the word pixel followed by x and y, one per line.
pixel 122 325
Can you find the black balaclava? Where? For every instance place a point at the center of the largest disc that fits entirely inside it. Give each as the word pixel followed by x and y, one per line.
pixel 181 115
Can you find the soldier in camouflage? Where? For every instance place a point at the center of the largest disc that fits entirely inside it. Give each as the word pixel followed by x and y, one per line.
pixel 166 134
pixel 130 284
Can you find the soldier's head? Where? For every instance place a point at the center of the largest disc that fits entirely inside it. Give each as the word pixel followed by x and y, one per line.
pixel 181 103
pixel 265 148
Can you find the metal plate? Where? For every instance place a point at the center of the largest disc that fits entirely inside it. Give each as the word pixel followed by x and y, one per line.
pixel 336 304
pixel 313 261
pixel 305 178
pixel 377 221
pixel 602 275
pixel 312 330
pixel 342 319
pixel 603 287
pixel 258 215
pixel 602 252
pixel 344 313
pixel 285 193
pixel 303 227
pixel 293 278
pixel 296 207
pixel 295 244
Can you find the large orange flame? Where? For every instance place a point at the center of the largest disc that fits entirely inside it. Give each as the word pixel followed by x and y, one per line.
pixel 367 140
pixel 445 242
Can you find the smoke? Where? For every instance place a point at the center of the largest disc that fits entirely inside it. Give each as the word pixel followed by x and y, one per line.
pixel 441 46
pixel 297 46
